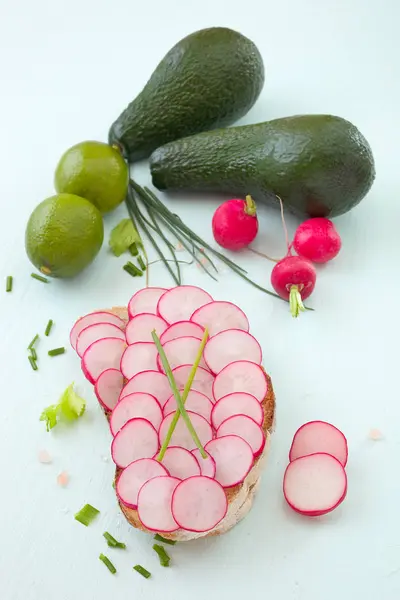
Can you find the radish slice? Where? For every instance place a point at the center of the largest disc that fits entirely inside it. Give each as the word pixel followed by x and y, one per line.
pixel 318 436
pixel 140 327
pixel 134 476
pixel 138 404
pixel 95 332
pixel 233 459
pixel 152 382
pixel 220 316
pixel 237 403
pixel 199 504
pixel 314 485
pixel 230 346
pixel 181 436
pixel 241 376
pixel 179 303
pixel 154 504
pixel 145 301
pixel 139 357
pixel 207 465
pixel 245 428
pixel 102 355
pixel 91 319
pixel 180 462
pixel 203 380
pixel 180 352
pixel 195 402
pixel 182 329
pixel 108 388
pixel 137 439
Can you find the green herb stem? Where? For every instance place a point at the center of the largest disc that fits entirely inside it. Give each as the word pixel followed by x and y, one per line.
pixel 39 278
pixel 33 342
pixel 141 263
pixel 87 514
pixel 108 563
pixel 33 363
pixel 48 327
pixel 33 353
pixel 162 555
pixel 112 542
pixel 56 351
pixel 9 283
pixel 132 269
pixel 159 538
pixel 144 572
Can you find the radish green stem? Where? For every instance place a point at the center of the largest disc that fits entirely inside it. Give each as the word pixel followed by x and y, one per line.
pixel 56 351
pixel 162 555
pixel 295 301
pixel 33 342
pixel 108 563
pixel 250 209
pixel 9 283
pixel 144 572
pixel 48 328
pixel 86 514
pixel 39 278
pixel 159 538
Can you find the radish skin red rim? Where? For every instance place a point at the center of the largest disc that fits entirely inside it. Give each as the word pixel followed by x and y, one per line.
pixel 181 436
pixel 102 355
pixel 195 402
pixel 207 465
pixel 237 403
pixel 247 429
pixel 140 327
pixel 233 459
pixel 241 376
pixel 134 476
pixel 199 504
pixel 139 357
pixel 230 346
pixel 91 319
pixel 138 404
pixel 152 382
pixel 145 301
pixel 137 439
pixel 219 316
pixel 97 331
pixel 179 303
pixel 203 380
pixel 182 329
pixel 319 436
pixel 108 388
pixel 154 504
pixel 181 351
pixel 180 462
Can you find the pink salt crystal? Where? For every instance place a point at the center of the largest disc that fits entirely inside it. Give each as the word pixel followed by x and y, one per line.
pixel 179 247
pixel 44 457
pixel 63 479
pixel 375 435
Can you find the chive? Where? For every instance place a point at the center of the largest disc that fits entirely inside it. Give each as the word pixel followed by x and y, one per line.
pixel 144 572
pixel 33 363
pixel 112 542
pixel 33 342
pixel 33 353
pixel 56 351
pixel 133 249
pixel 48 328
pixel 141 263
pixel 9 283
pixel 86 514
pixel 39 278
pixel 108 563
pixel 162 555
pixel 159 538
pixel 132 270
pixel 128 270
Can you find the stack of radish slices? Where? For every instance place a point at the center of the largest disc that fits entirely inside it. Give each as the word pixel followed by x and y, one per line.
pixel 187 488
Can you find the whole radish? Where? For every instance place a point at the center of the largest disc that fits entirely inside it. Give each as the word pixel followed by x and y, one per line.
pixel 235 223
pixel 317 239
pixel 293 278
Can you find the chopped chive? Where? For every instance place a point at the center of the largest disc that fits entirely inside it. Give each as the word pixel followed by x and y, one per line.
pixel 33 342
pixel 33 353
pixel 48 328
pixel 86 514
pixel 39 278
pixel 144 572
pixel 159 538
pixel 162 555
pixel 132 269
pixel 33 363
pixel 112 542
pixel 9 283
pixel 133 249
pixel 56 351
pixel 108 563
pixel 141 263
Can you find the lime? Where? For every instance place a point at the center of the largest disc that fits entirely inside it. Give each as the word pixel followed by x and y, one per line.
pixel 63 235
pixel 95 171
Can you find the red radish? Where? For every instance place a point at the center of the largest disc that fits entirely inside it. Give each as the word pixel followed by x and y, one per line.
pixel 134 476
pixel 179 303
pixel 235 223
pixel 102 355
pixel 237 403
pixel 314 485
pixel 207 465
pixel 245 428
pixel 140 327
pixel 154 504
pixel 293 278
pixel 95 332
pixel 137 439
pixel 145 301
pixel 180 352
pixel 180 462
pixel 181 436
pixel 199 504
pixel 230 346
pixel 241 376
pixel 138 404
pixel 233 459
pixel 91 319
pixel 139 357
pixel 152 382
pixel 203 380
pixel 182 329
pixel 108 388
pixel 317 240
pixel 219 316
pixel 319 436
pixel 195 401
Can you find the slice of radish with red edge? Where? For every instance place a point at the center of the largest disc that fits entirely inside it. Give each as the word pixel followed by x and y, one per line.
pixel 153 382
pixel 95 332
pixel 233 459
pixel 140 327
pixel 230 346
pixel 199 504
pixel 293 278
pixel 137 439
pixel 241 376
pixel 219 316
pixel 247 429
pixel 319 436
pixel 182 329
pixel 91 319
pixel 154 504
pixel 108 388
pixel 180 462
pixel 317 240
pixel 145 301
pixel 181 436
pixel 207 465
pixel 195 402
pixel 314 485
pixel 139 357
pixel 138 404
pixel 235 223
pixel 179 303
pixel 203 380
pixel 237 403
pixel 133 478
pixel 102 355
pixel 181 351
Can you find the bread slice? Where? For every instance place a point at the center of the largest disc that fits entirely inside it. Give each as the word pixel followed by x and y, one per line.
pixel 240 497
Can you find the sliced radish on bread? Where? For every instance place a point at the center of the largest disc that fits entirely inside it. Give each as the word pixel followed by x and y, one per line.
pixel 138 404
pixel 247 429
pixel 319 436
pixel 233 459
pixel 152 382
pixel 95 332
pixel 237 403
pixel 220 316
pixel 140 327
pixel 230 346
pixel 195 402
pixel 179 303
pixel 182 329
pixel 139 357
pixel 203 380
pixel 154 504
pixel 145 301
pixel 199 504
pixel 102 355
pixel 91 319
pixel 108 388
pixel 134 476
pixel 207 465
pixel 181 436
pixel 180 352
pixel 180 462
pixel 137 439
pixel 241 376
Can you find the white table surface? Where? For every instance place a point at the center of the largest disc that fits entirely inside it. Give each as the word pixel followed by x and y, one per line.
pixel 67 69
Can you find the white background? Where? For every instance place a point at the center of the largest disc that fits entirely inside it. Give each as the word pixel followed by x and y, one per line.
pixel 68 68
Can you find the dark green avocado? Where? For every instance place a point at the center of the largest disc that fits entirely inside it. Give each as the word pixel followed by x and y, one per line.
pixel 209 79
pixel 320 165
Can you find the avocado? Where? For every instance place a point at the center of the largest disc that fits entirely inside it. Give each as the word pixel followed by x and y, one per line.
pixel 319 165
pixel 209 79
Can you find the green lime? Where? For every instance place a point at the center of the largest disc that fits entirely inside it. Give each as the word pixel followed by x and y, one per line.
pixel 63 235
pixel 95 171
